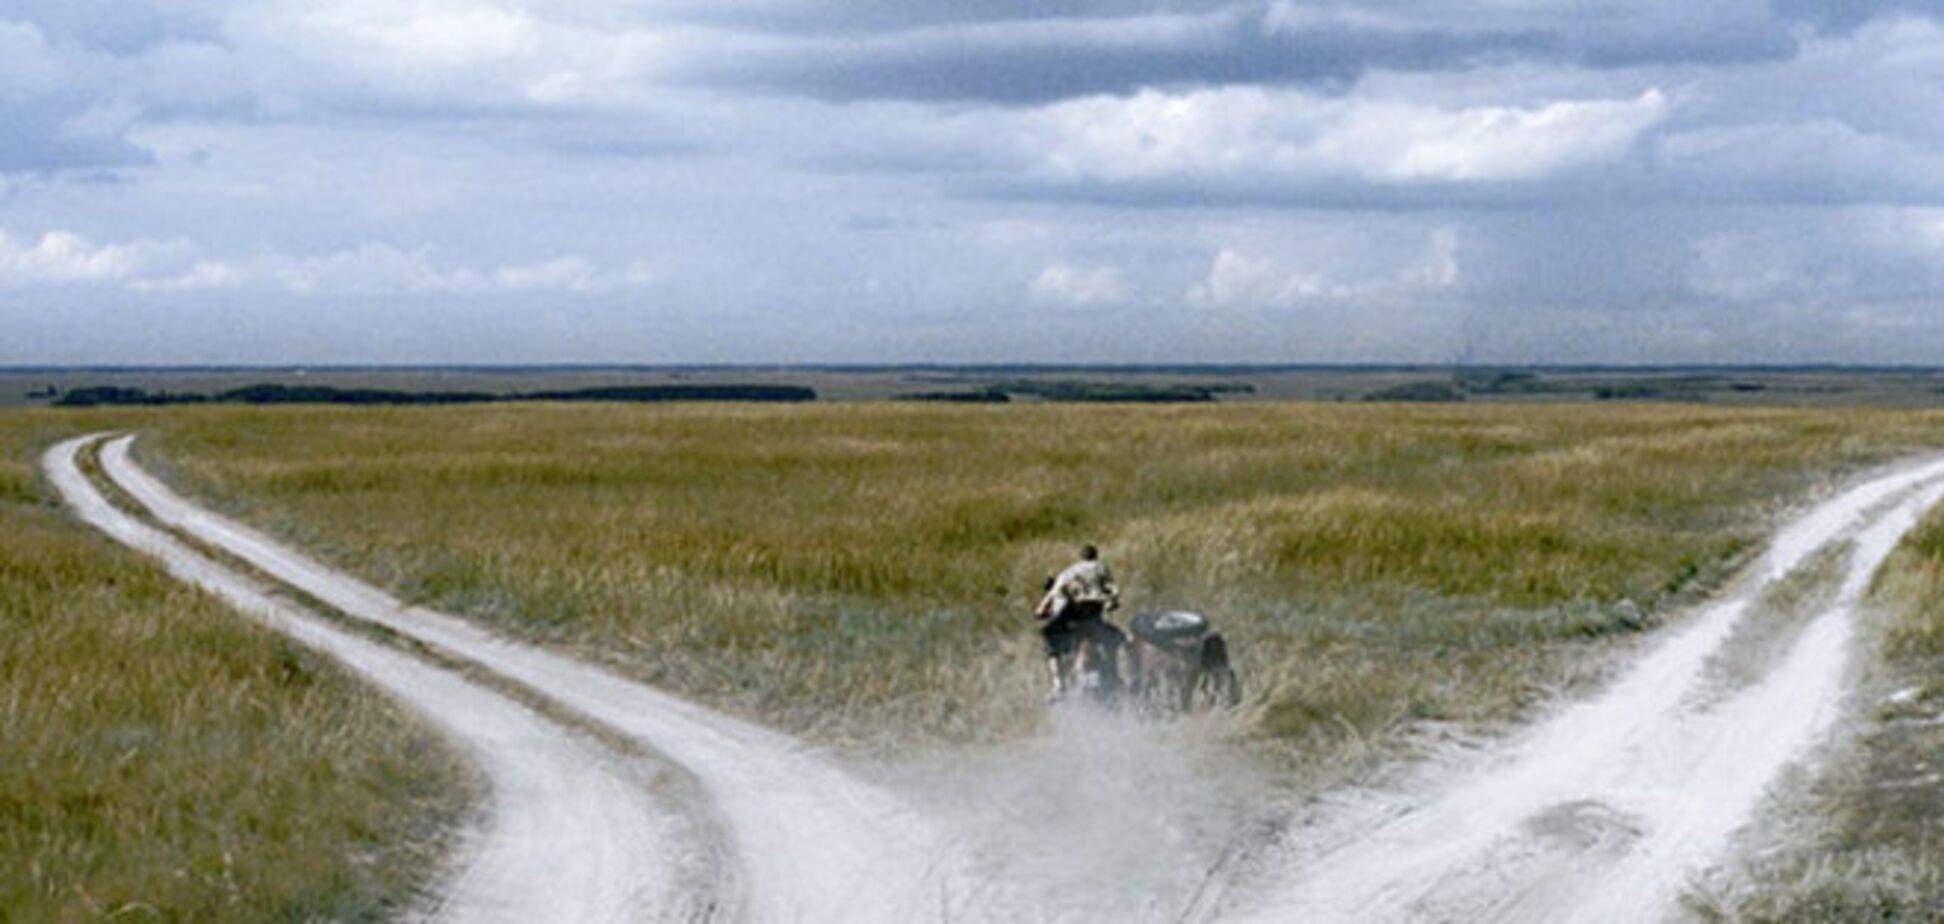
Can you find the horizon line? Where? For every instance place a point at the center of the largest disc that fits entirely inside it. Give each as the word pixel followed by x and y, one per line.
pixel 1150 367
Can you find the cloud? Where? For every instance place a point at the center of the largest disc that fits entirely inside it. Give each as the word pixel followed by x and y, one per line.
pixel 201 275
pixel 121 27
pixel 1405 142
pixel 1850 120
pixel 1315 178
pixel 1256 139
pixel 380 269
pixel 568 274
pixel 54 108
pixel 429 34
pixel 1856 257
pixel 1026 54
pixel 65 258
pixel 27 63
pixel 1239 279
pixel 62 257
pixel 1061 282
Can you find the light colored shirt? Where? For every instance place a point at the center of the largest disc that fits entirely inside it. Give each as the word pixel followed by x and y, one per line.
pixel 1083 581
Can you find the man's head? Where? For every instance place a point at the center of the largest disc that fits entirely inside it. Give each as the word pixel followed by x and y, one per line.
pixel 1088 552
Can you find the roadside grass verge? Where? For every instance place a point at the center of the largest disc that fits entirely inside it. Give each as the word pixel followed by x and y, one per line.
pixel 163 759
pixel 1865 840
pixel 862 574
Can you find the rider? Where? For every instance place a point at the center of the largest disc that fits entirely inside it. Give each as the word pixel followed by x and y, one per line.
pixel 1073 606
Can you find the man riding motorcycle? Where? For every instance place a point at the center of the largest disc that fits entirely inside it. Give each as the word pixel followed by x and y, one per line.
pixel 1073 607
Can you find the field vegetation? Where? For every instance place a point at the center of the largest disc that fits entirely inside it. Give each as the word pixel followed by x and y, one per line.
pixel 161 759
pixel 863 573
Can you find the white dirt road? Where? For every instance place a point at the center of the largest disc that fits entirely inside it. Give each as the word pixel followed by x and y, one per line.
pixel 1606 811
pixel 1600 813
pixel 569 834
pixel 812 843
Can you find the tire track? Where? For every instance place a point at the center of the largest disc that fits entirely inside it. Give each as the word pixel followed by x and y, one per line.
pixel 1602 812
pixel 568 833
pixel 815 844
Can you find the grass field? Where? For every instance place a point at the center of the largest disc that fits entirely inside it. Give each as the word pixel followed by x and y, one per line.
pixel 160 759
pixel 862 573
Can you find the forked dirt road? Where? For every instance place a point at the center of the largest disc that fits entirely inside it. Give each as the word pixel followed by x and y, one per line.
pixel 569 835
pixel 1599 813
pixel 806 841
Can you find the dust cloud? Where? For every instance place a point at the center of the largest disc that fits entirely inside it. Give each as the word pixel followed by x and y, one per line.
pixel 1102 817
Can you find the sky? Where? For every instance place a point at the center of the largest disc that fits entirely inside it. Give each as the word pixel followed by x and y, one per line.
pixel 920 181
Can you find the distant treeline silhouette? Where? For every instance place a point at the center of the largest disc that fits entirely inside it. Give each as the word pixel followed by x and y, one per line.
pixel 325 394
pixel 956 397
pixel 1070 390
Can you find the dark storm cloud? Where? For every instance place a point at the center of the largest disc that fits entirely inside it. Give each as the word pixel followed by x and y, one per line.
pixel 1041 57
pixel 1034 62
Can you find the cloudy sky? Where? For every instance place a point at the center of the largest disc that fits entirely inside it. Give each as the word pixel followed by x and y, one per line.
pixel 318 181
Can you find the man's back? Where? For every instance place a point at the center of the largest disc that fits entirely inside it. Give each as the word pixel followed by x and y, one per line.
pixel 1086 581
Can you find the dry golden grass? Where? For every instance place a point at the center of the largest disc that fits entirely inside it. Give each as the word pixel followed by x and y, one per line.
pixel 862 573
pixel 161 759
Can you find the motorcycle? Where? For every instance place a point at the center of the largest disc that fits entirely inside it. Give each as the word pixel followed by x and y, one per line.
pixel 1086 651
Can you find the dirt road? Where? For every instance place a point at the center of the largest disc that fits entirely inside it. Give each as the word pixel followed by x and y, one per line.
pixel 1605 811
pixel 570 834
pixel 1600 812
pixel 807 842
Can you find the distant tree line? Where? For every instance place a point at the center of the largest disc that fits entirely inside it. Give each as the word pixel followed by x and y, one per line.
pixel 1417 392
pixel 325 394
pixel 1104 392
pixel 982 396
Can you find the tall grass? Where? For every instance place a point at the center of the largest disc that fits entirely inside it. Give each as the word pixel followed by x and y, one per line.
pixel 863 573
pixel 160 759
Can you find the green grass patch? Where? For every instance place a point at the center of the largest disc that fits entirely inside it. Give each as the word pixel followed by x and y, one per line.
pixel 162 759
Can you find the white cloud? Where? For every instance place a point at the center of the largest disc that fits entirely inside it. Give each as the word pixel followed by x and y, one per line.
pixel 1155 134
pixel 65 258
pixel 379 268
pixel 1243 279
pixel 203 274
pixel 405 35
pixel 1061 282
pixel 60 257
pixel 27 63
pixel 570 274
pixel 1259 136
pixel 1240 280
pixel 1439 268
pixel 1405 142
